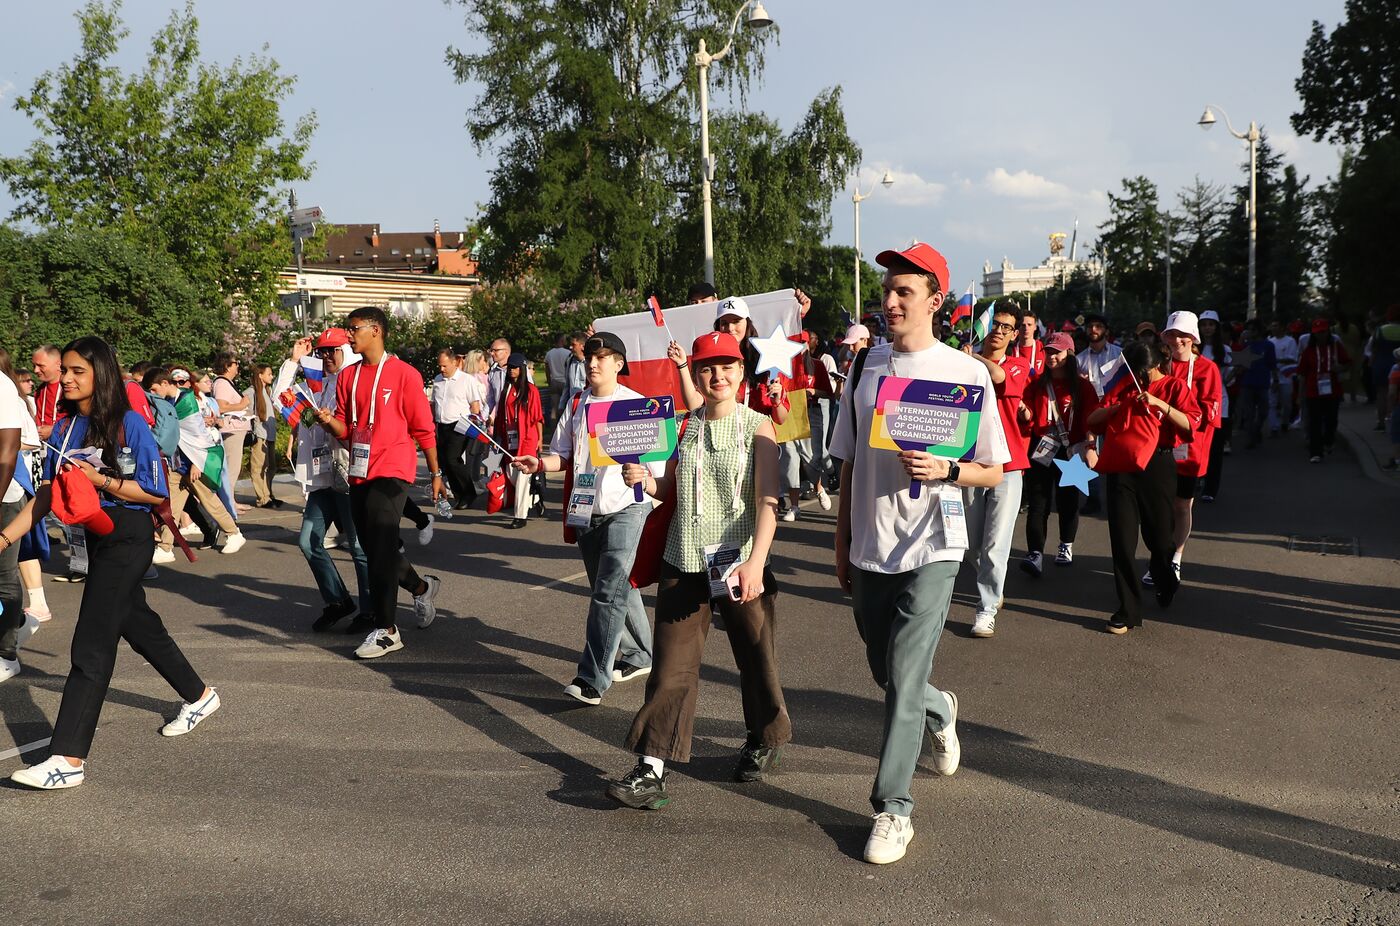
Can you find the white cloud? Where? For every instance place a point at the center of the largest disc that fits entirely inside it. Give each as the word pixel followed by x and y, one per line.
pixel 5 88
pixel 1025 185
pixel 908 189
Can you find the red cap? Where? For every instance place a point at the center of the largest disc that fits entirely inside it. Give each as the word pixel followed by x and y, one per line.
pixel 922 256
pixel 1319 325
pixel 1069 327
pixel 75 502
pixel 1295 327
pixel 1059 341
pixel 717 345
pixel 333 337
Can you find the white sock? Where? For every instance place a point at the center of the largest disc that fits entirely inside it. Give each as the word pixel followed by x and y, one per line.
pixel 657 765
pixel 37 601
pixel 1176 560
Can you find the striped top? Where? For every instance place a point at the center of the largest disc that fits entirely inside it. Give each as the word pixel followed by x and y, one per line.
pixel 725 459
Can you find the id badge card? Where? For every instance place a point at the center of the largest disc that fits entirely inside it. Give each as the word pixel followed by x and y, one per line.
pixel 721 559
pixel 359 454
pixel 582 501
pixel 1045 450
pixel 77 550
pixel 950 500
pixel 1324 385
pixel 320 461
pixel 1181 452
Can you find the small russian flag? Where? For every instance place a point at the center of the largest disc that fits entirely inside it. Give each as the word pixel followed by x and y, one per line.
pixel 470 428
pixel 295 407
pixel 315 374
pixel 655 305
pixel 1114 373
pixel 963 310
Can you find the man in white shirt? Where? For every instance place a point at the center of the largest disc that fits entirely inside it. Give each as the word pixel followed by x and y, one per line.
pixel 1099 354
pixel 898 555
pixel 456 395
pixel 608 520
pixel 1286 353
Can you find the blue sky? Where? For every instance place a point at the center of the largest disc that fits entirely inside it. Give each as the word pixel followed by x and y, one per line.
pixel 1001 120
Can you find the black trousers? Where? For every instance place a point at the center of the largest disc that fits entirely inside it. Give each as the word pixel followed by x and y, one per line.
pixel 1141 500
pixel 451 447
pixel 376 507
pixel 12 618
pixel 1041 486
pixel 114 608
pixel 1322 423
pixel 417 516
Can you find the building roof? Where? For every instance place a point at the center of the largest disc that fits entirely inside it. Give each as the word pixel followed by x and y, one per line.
pixel 366 247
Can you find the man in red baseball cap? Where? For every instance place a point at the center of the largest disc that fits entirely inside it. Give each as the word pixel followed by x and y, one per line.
pixel 321 463
pixel 897 554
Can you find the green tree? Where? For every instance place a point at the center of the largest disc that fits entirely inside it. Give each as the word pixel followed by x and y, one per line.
pixel 1135 237
pixel 58 284
pixel 1350 82
pixel 1361 206
pixel 182 156
pixel 589 109
pixel 827 274
pixel 1197 224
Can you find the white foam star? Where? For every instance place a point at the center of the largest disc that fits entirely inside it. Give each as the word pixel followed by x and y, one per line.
pixel 775 352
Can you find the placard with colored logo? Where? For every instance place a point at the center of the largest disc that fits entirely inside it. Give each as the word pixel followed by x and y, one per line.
pixel 920 414
pixel 632 431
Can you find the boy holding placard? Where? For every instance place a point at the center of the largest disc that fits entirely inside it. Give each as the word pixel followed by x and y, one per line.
pixel 607 518
pixel 900 532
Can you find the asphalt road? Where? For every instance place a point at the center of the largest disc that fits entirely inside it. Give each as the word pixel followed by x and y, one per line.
pixel 1235 761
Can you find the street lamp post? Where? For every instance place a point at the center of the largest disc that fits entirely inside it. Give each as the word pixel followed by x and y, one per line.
pixel 857 198
pixel 1252 136
pixel 758 19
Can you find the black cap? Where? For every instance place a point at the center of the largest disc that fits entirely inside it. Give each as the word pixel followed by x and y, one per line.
pixel 1094 317
pixel 606 340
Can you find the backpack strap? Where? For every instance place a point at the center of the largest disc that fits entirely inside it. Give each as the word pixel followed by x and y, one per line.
pixel 856 369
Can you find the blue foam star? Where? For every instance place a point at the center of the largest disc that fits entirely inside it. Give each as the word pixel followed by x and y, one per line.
pixel 1075 472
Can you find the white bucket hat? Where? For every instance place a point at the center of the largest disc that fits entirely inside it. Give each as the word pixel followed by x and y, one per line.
pixel 1210 315
pixel 1184 323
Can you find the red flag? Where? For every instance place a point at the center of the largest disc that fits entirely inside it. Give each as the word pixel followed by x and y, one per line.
pixel 655 305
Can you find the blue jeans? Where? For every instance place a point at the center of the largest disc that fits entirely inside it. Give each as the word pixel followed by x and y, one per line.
pixel 900 617
pixel 991 520
pixel 617 623
pixel 323 507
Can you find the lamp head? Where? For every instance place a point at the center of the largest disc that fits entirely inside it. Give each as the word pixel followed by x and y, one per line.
pixel 1207 119
pixel 758 18
pixel 887 180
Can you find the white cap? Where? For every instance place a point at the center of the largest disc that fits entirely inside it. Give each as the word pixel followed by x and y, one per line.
pixel 1210 315
pixel 180 373
pixel 1184 323
pixel 855 333
pixel 733 305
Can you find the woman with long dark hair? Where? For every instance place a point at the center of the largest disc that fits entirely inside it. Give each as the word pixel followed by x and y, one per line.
pixel 520 419
pixel 1057 406
pixel 129 484
pixel 262 454
pixel 1142 419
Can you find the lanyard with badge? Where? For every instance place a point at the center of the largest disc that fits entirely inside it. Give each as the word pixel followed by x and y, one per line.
pixel 77 536
pixel 1182 452
pixel 1049 445
pixel 360 438
pixel 950 500
pixel 721 559
pixel 320 466
pixel 584 497
pixel 1324 370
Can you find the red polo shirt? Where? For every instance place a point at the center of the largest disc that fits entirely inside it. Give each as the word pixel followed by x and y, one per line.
pixel 1009 392
pixel 1075 421
pixel 1135 431
pixel 1204 381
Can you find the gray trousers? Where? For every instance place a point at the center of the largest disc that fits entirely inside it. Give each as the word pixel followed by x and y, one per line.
pixel 900 617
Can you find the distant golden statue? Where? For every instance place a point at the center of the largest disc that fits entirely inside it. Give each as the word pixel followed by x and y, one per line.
pixel 1057 244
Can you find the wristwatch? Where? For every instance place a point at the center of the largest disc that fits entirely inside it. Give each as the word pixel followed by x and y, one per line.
pixel 953 471
pixel 434 475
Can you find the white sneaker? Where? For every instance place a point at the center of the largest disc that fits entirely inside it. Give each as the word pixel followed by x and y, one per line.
pixel 947 751
pixel 824 500
pixel 9 668
pixel 1066 555
pixel 163 556
pixel 425 536
pixel 191 715
pixel 42 615
pixel 26 630
pixel 50 775
pixel 191 532
pixel 423 604
pixel 984 625
pixel 889 839
pixel 790 514
pixel 378 643
pixel 234 543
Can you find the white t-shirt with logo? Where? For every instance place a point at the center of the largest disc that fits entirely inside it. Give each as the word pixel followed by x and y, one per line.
pixel 15 414
pixel 571 443
pixel 892 532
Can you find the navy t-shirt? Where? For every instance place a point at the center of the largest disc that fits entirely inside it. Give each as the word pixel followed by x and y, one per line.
pixel 149 475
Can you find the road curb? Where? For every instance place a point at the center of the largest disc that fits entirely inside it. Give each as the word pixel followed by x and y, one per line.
pixel 1361 449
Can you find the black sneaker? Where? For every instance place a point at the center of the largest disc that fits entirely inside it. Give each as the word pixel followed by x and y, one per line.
pixel 1116 626
pixel 362 624
pixel 332 614
pixel 640 789
pixel 625 672
pixel 580 690
pixel 71 576
pixel 755 762
pixel 516 524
